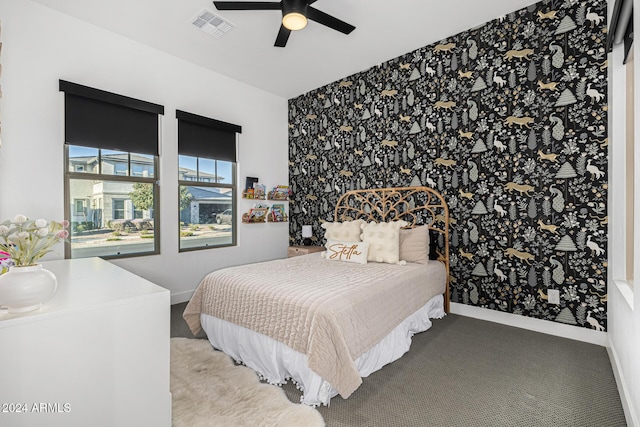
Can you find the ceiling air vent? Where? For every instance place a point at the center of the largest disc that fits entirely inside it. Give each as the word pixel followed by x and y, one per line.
pixel 212 24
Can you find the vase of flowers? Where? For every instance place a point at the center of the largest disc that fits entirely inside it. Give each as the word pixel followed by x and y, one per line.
pixel 27 284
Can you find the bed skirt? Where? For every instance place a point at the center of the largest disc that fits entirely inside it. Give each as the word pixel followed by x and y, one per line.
pixel 277 363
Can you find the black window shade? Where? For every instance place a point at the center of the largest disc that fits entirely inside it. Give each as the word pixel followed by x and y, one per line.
pixel 99 119
pixel 200 136
pixel 621 26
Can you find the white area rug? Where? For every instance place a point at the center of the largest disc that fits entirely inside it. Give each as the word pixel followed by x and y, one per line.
pixel 208 389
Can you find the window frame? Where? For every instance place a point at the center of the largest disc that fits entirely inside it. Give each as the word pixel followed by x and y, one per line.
pixel 89 176
pixel 630 168
pixel 622 211
pixel 204 138
pixel 197 183
pixel 102 120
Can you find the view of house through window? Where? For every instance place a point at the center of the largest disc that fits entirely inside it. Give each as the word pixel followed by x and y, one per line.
pixel 112 196
pixel 206 200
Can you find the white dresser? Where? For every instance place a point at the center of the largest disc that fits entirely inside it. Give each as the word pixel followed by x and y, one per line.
pixel 97 354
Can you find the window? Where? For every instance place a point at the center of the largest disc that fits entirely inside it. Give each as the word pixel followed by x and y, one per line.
pixel 118 209
pixel 207 182
pixel 622 154
pixel 120 168
pixel 111 163
pixel 79 207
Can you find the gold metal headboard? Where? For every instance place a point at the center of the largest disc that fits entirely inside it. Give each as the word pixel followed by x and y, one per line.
pixel 416 205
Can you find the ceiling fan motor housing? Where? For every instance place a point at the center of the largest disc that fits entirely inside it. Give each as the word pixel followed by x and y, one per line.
pixel 289 6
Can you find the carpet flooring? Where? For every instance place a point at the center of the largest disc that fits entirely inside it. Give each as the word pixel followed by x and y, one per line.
pixel 469 372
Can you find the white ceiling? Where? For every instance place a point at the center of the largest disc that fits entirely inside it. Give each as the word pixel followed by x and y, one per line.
pixel 313 57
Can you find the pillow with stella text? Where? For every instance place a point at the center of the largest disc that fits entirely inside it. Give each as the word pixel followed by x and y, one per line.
pixel 346 251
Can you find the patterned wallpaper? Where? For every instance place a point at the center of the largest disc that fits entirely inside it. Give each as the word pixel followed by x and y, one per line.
pixel 509 122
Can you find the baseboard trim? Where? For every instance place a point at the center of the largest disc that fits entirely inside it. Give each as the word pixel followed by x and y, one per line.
pixel 627 407
pixel 537 325
pixel 181 297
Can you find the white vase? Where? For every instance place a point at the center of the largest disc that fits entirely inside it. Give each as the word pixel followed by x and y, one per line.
pixel 24 289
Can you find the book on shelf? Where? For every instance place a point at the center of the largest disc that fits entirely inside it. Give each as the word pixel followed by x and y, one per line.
pixel 257 214
pixel 250 180
pixel 258 190
pixel 278 213
pixel 281 192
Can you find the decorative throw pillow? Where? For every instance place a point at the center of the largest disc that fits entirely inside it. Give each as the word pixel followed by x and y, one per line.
pixel 384 241
pixel 347 251
pixel 348 231
pixel 414 244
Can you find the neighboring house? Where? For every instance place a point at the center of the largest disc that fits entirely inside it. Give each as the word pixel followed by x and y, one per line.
pixel 186 174
pixel 205 204
pixel 104 201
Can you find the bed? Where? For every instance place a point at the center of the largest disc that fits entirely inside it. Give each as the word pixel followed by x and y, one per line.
pixel 323 323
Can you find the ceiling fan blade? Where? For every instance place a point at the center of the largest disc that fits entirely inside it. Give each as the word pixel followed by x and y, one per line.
pixel 328 20
pixel 247 5
pixel 283 36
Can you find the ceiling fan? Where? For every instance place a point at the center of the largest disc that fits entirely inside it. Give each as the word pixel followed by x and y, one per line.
pixel 294 15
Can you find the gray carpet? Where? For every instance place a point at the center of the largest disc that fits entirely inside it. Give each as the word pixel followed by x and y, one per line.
pixel 468 372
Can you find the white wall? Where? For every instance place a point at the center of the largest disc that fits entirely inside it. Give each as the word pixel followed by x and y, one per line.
pixel 41 46
pixel 624 302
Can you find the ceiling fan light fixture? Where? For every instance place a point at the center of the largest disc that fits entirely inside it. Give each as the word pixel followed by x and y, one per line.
pixel 294 21
pixel 294 14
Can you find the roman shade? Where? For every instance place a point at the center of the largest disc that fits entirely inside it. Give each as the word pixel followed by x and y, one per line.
pixel 100 119
pixel 200 136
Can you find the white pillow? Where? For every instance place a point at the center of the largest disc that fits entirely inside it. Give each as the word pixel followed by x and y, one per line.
pixel 346 251
pixel 348 231
pixel 414 244
pixel 384 241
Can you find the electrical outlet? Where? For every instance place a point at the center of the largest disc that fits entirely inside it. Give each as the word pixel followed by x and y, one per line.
pixel 553 296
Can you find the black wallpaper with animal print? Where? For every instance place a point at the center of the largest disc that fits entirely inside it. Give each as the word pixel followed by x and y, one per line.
pixel 509 122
